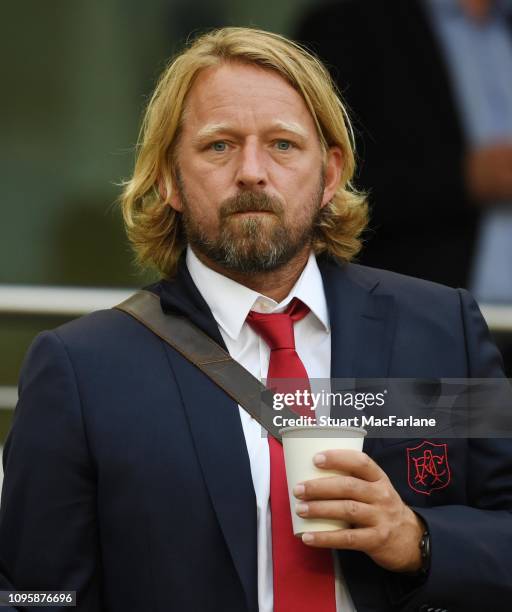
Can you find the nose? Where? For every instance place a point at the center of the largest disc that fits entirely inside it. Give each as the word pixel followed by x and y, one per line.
pixel 251 171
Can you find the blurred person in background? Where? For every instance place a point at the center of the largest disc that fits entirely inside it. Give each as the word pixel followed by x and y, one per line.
pixel 133 479
pixel 431 84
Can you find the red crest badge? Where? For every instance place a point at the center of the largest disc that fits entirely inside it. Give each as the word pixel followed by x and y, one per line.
pixel 428 468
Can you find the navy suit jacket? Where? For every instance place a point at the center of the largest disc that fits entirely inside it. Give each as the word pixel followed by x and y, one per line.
pixel 127 477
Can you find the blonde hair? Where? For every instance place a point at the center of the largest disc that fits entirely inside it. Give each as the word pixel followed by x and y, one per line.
pixel 153 227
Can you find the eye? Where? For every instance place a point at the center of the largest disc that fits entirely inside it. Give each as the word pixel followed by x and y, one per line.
pixel 283 145
pixel 219 146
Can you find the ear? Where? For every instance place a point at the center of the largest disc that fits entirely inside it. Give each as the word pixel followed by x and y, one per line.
pixel 174 200
pixel 333 170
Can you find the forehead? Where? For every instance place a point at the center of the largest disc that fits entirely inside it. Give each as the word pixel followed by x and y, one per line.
pixel 244 95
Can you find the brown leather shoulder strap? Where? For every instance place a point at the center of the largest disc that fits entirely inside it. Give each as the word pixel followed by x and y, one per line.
pixel 193 344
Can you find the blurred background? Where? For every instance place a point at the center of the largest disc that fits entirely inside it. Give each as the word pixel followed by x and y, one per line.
pixel 429 83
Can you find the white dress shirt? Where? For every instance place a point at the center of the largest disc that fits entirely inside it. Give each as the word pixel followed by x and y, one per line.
pixel 230 303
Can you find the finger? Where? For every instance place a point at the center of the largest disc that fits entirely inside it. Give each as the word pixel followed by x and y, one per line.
pixel 355 513
pixel 336 487
pixel 352 462
pixel 363 539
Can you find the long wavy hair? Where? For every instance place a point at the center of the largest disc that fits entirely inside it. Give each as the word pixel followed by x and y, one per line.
pixel 153 227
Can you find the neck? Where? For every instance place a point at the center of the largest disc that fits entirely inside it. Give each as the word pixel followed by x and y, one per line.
pixel 275 284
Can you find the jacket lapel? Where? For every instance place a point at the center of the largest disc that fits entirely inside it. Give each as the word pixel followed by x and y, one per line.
pixel 362 321
pixel 362 324
pixel 362 327
pixel 217 433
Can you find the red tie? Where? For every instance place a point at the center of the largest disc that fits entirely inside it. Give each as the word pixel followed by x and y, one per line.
pixel 303 576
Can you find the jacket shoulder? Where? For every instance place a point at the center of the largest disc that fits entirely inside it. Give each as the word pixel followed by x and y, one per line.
pixel 101 326
pixel 399 285
pixel 104 335
pixel 417 301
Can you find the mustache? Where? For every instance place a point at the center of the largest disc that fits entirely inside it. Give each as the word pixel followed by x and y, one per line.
pixel 248 201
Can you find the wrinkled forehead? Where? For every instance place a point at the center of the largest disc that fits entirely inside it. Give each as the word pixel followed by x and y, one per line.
pixel 236 92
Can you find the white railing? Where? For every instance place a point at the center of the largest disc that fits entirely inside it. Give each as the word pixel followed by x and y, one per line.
pixel 77 301
pixel 498 318
pixel 8 397
pixel 60 301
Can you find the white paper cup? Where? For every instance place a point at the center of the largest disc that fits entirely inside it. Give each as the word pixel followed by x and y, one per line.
pixel 300 445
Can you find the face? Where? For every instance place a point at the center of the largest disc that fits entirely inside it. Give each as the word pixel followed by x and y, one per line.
pixel 251 175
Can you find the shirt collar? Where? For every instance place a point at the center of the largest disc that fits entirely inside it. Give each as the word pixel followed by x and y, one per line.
pixel 230 302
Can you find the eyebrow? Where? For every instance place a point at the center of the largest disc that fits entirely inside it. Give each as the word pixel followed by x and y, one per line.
pixel 211 129
pixel 290 126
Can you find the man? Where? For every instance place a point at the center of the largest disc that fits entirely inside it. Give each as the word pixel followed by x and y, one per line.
pixel 134 480
pixel 430 83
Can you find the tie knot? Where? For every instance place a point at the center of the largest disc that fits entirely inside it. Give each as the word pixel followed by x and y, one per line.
pixel 276 329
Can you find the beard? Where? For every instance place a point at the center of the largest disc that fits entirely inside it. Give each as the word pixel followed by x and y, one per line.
pixel 252 243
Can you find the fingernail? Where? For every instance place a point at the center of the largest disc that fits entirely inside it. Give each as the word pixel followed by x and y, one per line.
pixel 301 508
pixel 307 538
pixel 298 490
pixel 319 459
